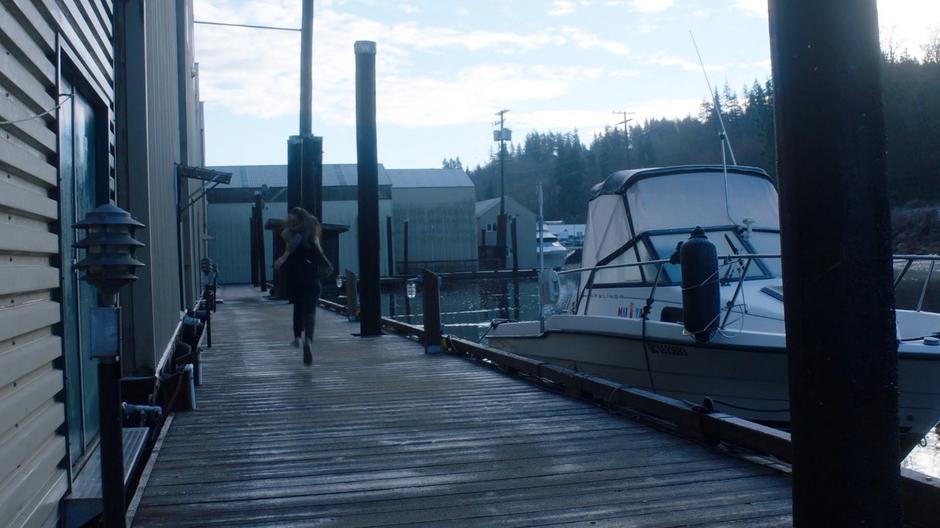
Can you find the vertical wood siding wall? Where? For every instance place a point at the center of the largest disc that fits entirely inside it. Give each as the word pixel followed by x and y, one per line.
pixel 34 473
pixel 33 477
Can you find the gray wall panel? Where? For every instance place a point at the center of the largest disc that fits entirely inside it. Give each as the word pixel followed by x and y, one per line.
pixel 164 153
pixel 34 478
pixel 441 224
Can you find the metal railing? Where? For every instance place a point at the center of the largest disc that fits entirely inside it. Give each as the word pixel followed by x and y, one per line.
pixel 743 262
pixel 909 261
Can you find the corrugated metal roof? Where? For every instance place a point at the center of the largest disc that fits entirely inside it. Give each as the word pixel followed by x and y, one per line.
pixel 419 178
pixel 486 205
pixel 334 175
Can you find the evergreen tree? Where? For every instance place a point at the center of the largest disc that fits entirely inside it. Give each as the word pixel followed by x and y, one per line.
pixel 568 168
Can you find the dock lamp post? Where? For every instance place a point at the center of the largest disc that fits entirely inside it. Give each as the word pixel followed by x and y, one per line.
pixel 109 265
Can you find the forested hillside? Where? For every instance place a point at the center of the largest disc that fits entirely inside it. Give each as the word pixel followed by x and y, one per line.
pixel 568 165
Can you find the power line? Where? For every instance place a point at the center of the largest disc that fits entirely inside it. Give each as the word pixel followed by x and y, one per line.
pixel 245 26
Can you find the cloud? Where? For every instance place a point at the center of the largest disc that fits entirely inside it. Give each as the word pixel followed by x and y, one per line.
pixel 662 59
pixel 586 40
pixel 566 7
pixel 409 9
pixel 650 6
pixel 752 7
pixel 908 24
pixel 256 72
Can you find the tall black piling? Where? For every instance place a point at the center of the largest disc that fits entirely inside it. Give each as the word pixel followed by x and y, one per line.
pixel 404 234
pixel 836 244
pixel 431 305
pixel 295 184
pixel 258 234
pixel 370 319
pixel 390 248
pixel 253 245
pixel 515 247
pixel 311 175
pixel 501 228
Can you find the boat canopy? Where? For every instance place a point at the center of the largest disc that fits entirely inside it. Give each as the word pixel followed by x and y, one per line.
pixel 630 203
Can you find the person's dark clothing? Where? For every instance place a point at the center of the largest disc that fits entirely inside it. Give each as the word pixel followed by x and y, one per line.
pixel 303 286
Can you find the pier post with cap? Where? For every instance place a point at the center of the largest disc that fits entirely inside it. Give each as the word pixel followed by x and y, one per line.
pixel 370 319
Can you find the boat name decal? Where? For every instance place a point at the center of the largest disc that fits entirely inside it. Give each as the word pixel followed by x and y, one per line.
pixel 668 350
pixel 630 311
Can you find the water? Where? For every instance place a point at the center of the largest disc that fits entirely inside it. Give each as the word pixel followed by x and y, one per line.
pixel 468 306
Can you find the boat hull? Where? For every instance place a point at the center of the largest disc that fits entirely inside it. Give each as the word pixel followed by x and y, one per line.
pixel 746 381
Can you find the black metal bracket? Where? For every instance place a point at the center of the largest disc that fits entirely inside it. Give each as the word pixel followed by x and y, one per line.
pixel 213 177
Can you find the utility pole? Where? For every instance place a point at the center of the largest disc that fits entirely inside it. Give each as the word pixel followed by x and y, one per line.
pixel 306 69
pixel 502 136
pixel 626 132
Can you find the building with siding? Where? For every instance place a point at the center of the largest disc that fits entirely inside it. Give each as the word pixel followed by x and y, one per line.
pixel 438 205
pixel 487 216
pixel 79 127
pixel 230 210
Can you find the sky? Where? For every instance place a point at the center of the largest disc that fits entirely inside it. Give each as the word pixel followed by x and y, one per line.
pixel 445 67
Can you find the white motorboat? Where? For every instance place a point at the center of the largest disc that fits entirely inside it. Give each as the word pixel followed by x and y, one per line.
pixel 620 316
pixel 555 253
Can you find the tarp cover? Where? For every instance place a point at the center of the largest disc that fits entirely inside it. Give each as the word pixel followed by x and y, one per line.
pixel 698 199
pixel 681 199
pixel 607 229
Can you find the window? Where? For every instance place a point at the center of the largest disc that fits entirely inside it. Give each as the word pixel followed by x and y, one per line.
pixel 620 275
pixel 767 243
pixel 665 246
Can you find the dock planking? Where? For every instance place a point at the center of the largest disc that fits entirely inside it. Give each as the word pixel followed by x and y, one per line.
pixel 376 433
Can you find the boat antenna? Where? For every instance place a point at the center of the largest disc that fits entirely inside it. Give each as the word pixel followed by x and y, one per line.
pixel 725 141
pixel 716 105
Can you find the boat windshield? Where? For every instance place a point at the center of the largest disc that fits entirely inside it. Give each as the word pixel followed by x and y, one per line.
pixel 665 246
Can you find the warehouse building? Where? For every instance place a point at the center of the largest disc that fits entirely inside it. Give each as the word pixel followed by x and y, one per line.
pixel 438 206
pixel 230 210
pixel 487 217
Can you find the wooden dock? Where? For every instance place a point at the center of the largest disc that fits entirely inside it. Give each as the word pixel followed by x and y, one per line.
pixel 376 433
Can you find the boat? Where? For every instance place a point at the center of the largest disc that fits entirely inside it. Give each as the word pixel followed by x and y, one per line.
pixel 554 253
pixel 620 316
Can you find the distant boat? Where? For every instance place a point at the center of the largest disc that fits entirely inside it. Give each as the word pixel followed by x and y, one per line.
pixel 627 322
pixel 555 253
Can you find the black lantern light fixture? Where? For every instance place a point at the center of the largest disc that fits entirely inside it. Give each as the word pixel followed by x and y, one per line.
pixel 109 265
pixel 109 262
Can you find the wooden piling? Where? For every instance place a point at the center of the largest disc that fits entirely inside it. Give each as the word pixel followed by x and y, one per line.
pixel 370 316
pixel 352 296
pixel 311 175
pixel 390 247
pixel 431 303
pixel 258 234
pixel 253 246
pixel 405 247
pixel 515 246
pixel 837 276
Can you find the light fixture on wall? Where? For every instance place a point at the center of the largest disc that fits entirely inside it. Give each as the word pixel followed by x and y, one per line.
pixel 109 265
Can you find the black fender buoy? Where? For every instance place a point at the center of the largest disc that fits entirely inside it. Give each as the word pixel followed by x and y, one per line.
pixel 701 294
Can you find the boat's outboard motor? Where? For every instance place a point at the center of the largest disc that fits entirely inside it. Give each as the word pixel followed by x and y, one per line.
pixel 701 295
